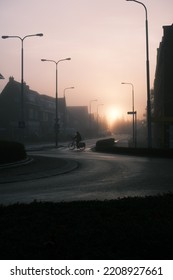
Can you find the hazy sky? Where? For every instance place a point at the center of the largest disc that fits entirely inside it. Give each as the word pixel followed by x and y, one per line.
pixel 104 38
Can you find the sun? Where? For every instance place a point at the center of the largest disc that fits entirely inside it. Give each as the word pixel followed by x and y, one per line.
pixel 112 114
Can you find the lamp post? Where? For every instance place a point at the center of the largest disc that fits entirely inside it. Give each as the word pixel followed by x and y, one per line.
pixel 133 112
pixel 22 121
pixel 94 100
pixel 66 89
pixel 98 118
pixel 56 96
pixel 91 101
pixel 65 113
pixel 148 77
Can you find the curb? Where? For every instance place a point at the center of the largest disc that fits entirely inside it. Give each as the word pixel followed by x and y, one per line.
pixel 39 173
pixel 16 163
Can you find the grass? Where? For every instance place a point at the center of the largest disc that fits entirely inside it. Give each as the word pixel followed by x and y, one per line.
pixel 129 228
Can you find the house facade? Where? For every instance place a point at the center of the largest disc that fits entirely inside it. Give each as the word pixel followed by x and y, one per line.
pixel 163 92
pixel 38 113
pixel 38 120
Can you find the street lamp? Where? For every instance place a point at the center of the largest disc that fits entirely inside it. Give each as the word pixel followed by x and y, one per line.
pixel 133 112
pixel 56 99
pixel 22 122
pixel 94 100
pixel 91 101
pixel 65 117
pixel 148 77
pixel 98 117
pixel 66 89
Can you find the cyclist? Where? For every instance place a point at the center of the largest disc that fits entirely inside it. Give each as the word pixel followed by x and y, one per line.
pixel 77 138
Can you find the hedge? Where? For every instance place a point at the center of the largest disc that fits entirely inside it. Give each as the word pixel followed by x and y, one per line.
pixel 109 146
pixel 11 152
pixel 109 142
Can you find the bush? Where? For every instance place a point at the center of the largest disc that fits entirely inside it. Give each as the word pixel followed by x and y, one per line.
pixel 105 143
pixel 124 229
pixel 11 152
pixel 168 153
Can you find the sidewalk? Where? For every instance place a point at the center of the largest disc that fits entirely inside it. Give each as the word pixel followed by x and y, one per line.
pixel 35 167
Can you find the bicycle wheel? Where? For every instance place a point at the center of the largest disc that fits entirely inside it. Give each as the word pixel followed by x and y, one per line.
pixel 82 146
pixel 71 146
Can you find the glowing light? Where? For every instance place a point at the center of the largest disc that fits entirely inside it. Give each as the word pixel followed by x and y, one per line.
pixel 112 114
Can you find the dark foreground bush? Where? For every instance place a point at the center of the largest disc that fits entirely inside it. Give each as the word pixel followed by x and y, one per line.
pixel 11 152
pixel 103 143
pixel 109 146
pixel 129 228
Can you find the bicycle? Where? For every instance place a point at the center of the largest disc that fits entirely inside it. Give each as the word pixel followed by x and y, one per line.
pixel 81 146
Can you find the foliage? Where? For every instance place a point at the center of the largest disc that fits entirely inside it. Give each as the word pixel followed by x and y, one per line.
pixel 105 142
pixel 122 126
pixel 11 152
pixel 108 146
pixel 128 228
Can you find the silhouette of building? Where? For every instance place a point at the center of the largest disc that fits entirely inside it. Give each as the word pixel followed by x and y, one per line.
pixel 39 113
pixel 163 92
pixel 1 76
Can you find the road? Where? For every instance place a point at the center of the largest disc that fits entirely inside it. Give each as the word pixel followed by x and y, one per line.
pixel 99 176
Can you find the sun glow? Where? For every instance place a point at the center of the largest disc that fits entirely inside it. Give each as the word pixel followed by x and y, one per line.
pixel 113 114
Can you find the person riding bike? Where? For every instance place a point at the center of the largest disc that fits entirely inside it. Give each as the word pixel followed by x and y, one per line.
pixel 77 138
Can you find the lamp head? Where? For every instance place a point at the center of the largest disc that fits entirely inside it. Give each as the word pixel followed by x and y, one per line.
pixel 5 37
pixel 68 58
pixel 39 34
pixel 43 59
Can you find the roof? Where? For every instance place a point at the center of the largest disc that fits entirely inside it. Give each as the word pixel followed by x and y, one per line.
pixel 1 77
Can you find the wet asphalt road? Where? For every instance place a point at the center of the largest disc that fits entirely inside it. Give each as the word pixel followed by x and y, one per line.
pixel 92 176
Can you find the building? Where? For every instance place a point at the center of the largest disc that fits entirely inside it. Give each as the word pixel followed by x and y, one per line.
pixel 1 76
pixel 39 113
pixel 39 116
pixel 163 92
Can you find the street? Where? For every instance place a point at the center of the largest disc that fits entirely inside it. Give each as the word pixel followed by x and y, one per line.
pixel 99 176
